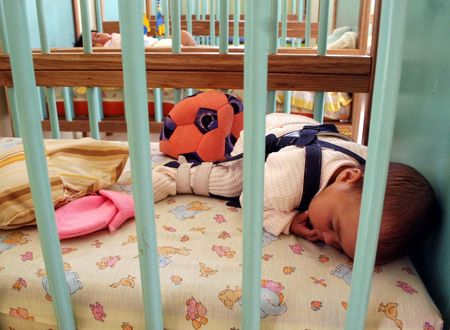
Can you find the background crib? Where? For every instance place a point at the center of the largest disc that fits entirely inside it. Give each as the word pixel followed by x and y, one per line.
pixel 434 267
pixel 335 70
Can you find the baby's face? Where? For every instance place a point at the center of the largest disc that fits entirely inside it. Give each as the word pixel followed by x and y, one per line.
pixel 99 39
pixel 334 214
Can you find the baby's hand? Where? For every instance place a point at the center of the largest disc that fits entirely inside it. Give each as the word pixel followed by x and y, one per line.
pixel 301 227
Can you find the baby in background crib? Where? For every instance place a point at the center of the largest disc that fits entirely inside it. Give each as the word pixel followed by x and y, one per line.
pixel 114 40
pixel 332 216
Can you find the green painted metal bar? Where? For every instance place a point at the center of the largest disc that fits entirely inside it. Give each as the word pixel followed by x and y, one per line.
pixel 382 122
pixel 157 94
pixel 189 91
pixel 10 90
pixel 177 95
pixel 176 26
pixel 284 12
pixel 255 94
pixel 42 103
pixel 217 17
pixel 25 85
pixel 86 26
pixel 175 13
pixel 135 83
pixel 287 94
pixel 308 24
pixel 319 97
pixel 197 10
pixel 14 111
pixel 236 19
pixel 301 9
pixel 92 94
pixel 212 23
pixel 53 112
pixel 3 36
pixel 204 9
pixel 287 101
pixel 273 49
pixel 69 108
pixel 45 48
pixel 50 91
pixel 223 27
pixel 189 15
pixel 98 15
pixel 166 14
pixel 100 103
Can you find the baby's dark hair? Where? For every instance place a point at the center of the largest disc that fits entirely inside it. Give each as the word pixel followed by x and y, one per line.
pixel 410 212
pixel 79 40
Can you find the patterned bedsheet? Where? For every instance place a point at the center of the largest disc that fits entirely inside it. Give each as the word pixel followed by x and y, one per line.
pixel 304 285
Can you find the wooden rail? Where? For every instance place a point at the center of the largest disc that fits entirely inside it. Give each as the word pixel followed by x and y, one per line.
pixel 202 28
pixel 200 70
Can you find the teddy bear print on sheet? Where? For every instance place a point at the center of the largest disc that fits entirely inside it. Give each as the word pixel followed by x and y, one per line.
pixel 200 266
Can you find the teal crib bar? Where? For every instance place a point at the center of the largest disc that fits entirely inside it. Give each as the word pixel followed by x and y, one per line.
pixel 236 19
pixel 25 85
pixel 255 92
pixel 165 12
pixel 92 93
pixel 50 91
pixel 204 9
pixel 301 9
pixel 69 108
pixel 319 97
pixel 223 27
pixel 98 15
pixel 273 48
pixel 284 19
pixel 9 90
pixel 308 24
pixel 157 94
pixel 176 40
pixel 384 107
pixel 212 23
pixel 42 103
pixel 189 15
pixel 135 83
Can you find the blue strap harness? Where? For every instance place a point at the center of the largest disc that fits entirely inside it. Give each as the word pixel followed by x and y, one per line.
pixel 307 138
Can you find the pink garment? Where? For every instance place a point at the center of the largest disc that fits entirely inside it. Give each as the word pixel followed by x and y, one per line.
pixel 88 214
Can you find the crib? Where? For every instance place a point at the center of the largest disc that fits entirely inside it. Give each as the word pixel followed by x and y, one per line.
pixel 192 261
pixel 348 112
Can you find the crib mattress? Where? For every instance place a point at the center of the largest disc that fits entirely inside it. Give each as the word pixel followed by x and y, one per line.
pixel 304 285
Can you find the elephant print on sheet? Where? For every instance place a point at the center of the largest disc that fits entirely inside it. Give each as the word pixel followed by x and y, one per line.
pixel 272 299
pixel 72 280
pixel 344 272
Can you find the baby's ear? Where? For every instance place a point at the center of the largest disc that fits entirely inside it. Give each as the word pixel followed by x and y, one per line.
pixel 350 175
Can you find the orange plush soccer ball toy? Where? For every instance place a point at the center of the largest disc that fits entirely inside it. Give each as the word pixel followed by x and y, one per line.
pixel 203 127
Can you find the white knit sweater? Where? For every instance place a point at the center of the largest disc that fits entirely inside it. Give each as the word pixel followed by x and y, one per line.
pixel 283 173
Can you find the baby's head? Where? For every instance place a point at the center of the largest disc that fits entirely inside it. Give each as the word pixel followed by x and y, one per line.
pixel 409 211
pixel 98 39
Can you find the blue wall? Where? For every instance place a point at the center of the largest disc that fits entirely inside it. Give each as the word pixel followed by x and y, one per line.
pixel 422 134
pixel 347 14
pixel 59 22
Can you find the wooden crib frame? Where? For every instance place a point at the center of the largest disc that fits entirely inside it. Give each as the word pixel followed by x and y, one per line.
pixel 351 70
pixel 346 73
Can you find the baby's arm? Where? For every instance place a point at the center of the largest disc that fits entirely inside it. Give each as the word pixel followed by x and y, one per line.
pixel 300 226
